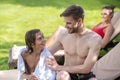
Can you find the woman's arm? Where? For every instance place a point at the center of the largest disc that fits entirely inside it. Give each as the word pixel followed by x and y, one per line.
pixel 108 33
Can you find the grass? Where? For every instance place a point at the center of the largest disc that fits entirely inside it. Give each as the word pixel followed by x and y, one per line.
pixel 18 16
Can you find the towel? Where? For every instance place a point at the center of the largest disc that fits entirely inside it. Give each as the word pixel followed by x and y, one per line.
pixel 42 72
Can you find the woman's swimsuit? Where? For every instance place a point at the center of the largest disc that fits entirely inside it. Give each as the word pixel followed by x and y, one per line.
pixel 99 31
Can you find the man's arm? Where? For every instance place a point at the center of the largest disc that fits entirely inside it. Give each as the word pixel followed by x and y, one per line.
pixel 52 38
pixel 94 48
pixel 56 45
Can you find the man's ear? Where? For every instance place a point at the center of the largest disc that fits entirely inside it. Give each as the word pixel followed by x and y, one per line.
pixel 80 20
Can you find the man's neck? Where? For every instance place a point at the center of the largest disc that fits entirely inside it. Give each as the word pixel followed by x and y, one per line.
pixel 81 30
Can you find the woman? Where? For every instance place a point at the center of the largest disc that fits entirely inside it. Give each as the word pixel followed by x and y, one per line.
pixel 105 28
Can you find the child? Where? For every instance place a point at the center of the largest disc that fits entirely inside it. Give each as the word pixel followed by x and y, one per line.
pixel 31 60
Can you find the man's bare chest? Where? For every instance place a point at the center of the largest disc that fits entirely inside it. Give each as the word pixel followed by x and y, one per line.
pixel 75 46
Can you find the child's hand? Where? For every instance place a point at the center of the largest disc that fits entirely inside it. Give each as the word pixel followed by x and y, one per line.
pixel 32 77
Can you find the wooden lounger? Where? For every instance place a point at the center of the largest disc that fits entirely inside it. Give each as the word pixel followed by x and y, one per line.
pixel 116 25
pixel 8 75
pixel 109 65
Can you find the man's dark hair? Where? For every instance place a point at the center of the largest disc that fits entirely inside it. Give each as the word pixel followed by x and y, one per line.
pixel 30 38
pixel 75 11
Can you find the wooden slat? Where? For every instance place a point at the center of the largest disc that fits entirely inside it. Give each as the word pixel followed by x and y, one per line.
pixel 116 25
pixel 9 75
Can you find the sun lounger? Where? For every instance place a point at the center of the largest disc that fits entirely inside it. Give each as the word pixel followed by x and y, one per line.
pixel 8 75
pixel 108 67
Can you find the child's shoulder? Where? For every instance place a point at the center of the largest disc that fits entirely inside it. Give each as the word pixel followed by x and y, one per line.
pixel 25 53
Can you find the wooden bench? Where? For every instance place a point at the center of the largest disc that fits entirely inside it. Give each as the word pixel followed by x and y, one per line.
pixel 8 75
pixel 116 25
pixel 13 56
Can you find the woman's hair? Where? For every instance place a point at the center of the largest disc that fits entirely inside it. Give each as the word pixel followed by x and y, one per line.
pixel 111 8
pixel 30 38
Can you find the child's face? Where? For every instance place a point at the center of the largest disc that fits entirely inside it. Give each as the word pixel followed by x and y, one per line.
pixel 40 41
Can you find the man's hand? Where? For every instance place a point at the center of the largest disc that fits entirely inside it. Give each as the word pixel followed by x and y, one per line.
pixel 51 63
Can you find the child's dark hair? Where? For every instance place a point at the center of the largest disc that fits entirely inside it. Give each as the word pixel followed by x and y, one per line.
pixel 30 38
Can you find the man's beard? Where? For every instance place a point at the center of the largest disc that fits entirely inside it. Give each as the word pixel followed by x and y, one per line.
pixel 73 30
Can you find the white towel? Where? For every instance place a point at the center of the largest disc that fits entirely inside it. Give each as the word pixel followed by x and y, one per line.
pixel 42 72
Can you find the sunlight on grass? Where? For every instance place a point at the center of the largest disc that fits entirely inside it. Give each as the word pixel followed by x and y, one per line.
pixel 20 19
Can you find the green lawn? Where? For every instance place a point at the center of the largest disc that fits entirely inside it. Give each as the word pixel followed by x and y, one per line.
pixel 18 16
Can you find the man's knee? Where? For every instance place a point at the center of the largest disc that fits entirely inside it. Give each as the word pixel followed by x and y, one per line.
pixel 63 75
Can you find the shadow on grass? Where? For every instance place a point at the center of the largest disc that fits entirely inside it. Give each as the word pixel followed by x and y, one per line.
pixel 62 4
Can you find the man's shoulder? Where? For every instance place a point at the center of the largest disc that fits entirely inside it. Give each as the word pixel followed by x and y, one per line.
pixel 95 40
pixel 93 34
pixel 93 37
pixel 62 31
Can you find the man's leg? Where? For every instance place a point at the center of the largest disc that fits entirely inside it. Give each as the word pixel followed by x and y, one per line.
pixel 108 67
pixel 63 75
pixel 93 79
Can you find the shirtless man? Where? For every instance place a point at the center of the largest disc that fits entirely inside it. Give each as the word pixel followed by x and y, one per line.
pixel 81 47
